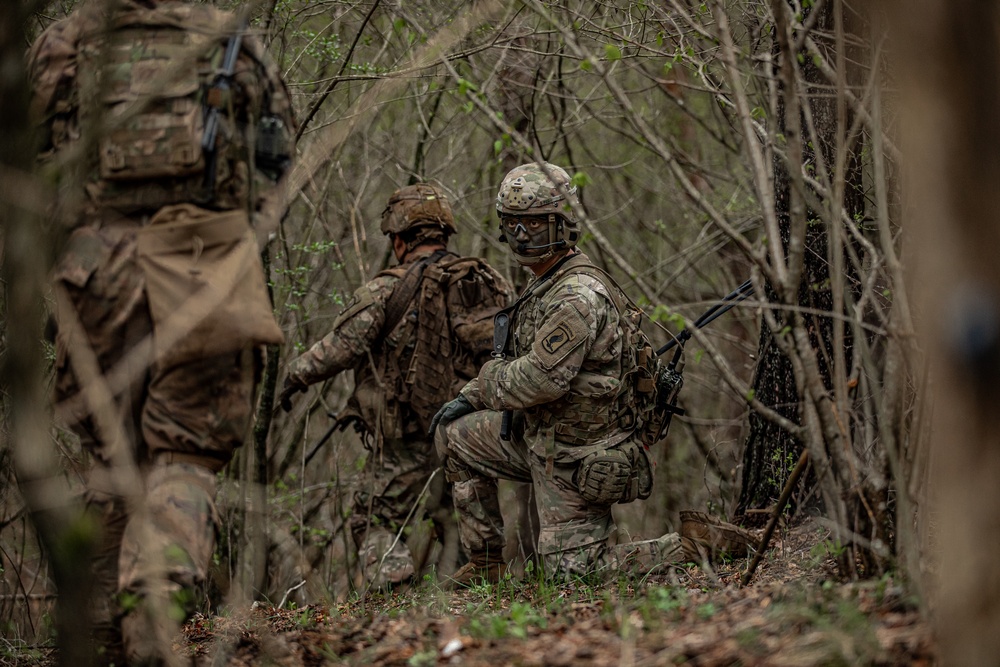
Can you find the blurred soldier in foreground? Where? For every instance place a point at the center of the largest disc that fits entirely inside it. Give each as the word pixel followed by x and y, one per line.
pixel 167 130
pixel 566 376
pixel 414 335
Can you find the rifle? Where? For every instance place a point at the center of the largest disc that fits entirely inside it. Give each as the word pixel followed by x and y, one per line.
pixel 675 368
pixel 322 441
pixel 217 97
pixel 741 293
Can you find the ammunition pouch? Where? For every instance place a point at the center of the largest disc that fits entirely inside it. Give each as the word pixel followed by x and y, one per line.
pixel 618 474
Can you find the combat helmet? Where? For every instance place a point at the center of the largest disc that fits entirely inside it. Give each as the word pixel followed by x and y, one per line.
pixel 533 191
pixel 418 205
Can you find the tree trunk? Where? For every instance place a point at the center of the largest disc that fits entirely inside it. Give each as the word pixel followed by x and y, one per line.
pixel 68 538
pixel 770 452
pixel 953 147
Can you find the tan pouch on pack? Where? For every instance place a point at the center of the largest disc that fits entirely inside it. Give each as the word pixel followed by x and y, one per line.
pixel 206 289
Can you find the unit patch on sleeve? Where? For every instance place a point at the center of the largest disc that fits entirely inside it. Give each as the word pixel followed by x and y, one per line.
pixel 557 337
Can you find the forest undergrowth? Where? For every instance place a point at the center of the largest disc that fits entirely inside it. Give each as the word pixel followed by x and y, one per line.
pixel 794 612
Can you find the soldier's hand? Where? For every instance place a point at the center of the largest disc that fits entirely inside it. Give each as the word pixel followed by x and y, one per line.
pixel 288 389
pixel 449 412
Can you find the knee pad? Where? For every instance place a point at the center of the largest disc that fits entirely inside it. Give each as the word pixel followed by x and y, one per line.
pixel 616 475
pixel 602 477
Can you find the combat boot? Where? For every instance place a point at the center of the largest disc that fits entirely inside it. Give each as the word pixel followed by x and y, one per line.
pixel 483 568
pixel 706 538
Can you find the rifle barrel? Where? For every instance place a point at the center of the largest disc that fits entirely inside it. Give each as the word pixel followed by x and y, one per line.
pixel 322 441
pixel 741 293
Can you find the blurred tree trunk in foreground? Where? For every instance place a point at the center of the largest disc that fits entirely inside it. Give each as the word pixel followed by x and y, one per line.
pixel 953 148
pixel 64 531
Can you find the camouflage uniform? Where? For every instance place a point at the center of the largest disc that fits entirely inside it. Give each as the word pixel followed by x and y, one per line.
pixel 402 457
pixel 563 377
pixel 158 255
pixel 569 376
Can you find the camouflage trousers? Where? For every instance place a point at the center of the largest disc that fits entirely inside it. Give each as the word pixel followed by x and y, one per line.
pixel 574 533
pixel 181 425
pixel 402 522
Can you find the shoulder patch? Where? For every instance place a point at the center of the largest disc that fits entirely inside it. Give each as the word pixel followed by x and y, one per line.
pixel 560 335
pixel 565 331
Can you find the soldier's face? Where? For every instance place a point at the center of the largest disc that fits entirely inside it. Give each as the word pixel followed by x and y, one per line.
pixel 528 235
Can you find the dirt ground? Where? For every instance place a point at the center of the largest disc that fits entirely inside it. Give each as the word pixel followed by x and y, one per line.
pixel 794 612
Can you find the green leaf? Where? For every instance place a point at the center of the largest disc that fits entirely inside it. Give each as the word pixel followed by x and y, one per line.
pixel 497 147
pixel 586 65
pixel 580 179
pixel 464 86
pixel 612 52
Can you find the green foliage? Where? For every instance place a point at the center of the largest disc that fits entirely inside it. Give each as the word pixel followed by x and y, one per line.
pixel 423 659
pixel 706 611
pixel 580 179
pixel 305 619
pixel 842 631
pixel 515 622
pixel 662 603
pixel 292 285
pixel 324 48
pixel 826 549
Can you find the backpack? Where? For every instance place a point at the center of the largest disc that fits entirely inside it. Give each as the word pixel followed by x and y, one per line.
pixel 453 300
pixel 142 88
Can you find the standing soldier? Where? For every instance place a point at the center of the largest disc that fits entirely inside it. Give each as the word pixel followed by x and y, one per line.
pixel 414 335
pixel 573 434
pixel 168 130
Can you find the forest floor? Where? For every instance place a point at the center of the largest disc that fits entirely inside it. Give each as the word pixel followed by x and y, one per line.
pixel 794 612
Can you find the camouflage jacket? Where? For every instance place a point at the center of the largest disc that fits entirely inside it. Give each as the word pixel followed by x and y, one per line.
pixel 385 368
pixel 82 101
pixel 567 366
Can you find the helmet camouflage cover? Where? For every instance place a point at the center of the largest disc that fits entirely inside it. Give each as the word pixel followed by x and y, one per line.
pixel 419 205
pixel 528 190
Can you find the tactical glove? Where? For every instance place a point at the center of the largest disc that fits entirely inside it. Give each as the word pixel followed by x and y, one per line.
pixel 449 412
pixel 288 389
